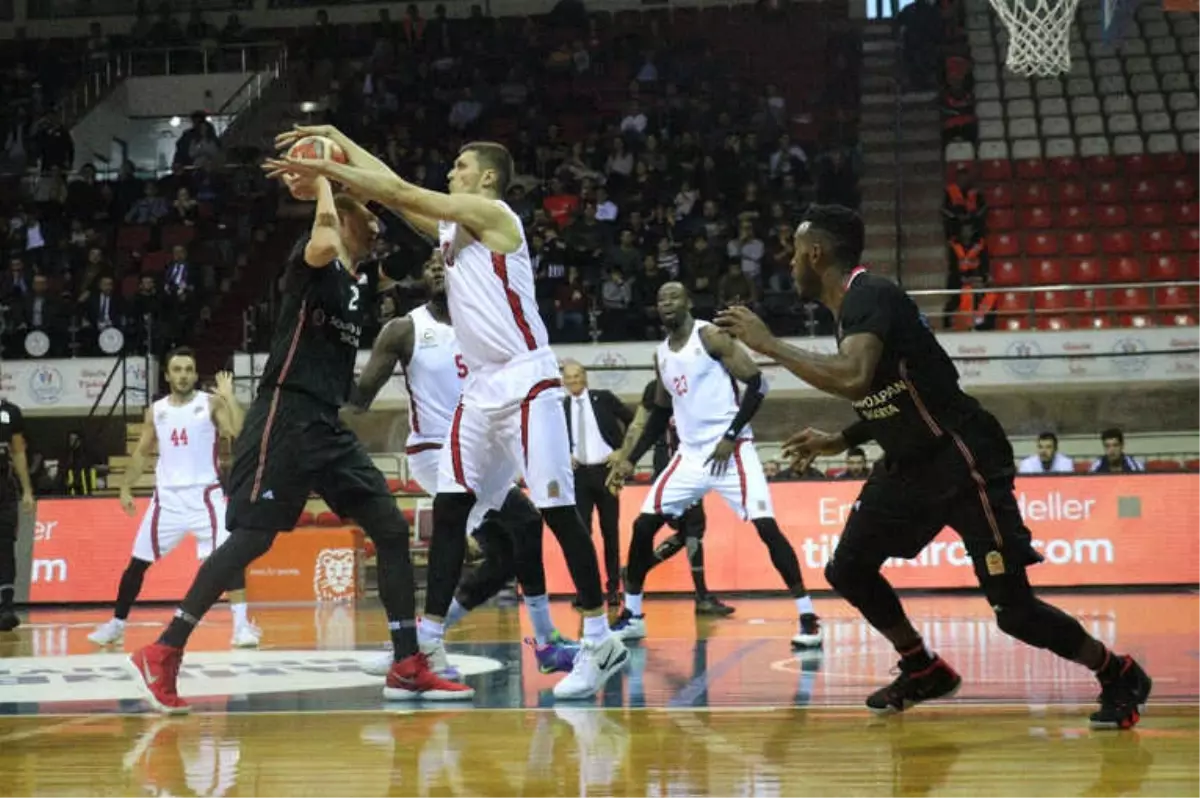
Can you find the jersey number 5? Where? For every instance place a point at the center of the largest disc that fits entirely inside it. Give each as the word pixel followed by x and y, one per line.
pixel 461 366
pixel 680 385
pixel 179 437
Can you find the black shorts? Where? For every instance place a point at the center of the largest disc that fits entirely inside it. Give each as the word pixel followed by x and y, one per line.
pixel 10 518
pixel 965 484
pixel 290 447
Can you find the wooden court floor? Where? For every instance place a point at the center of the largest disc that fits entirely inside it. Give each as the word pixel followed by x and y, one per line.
pixel 706 708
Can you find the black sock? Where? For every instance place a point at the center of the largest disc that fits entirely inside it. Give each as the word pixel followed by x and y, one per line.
pixel 383 522
pixel 213 578
pixel 130 587
pixel 916 657
pixel 8 574
pixel 578 551
pixel 783 556
pixel 641 551
pixel 695 550
pixel 1110 669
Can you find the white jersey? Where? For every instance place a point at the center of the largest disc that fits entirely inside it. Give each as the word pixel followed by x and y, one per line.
pixel 433 379
pixel 187 443
pixel 491 297
pixel 704 395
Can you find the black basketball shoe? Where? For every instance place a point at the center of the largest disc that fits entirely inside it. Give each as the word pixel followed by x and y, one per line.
pixel 1123 699
pixel 912 687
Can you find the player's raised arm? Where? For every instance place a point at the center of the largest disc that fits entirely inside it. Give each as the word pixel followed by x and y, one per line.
pixel 325 243
pixel 393 345
pixel 228 413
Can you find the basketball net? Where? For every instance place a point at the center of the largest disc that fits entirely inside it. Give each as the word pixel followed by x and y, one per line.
pixel 1039 35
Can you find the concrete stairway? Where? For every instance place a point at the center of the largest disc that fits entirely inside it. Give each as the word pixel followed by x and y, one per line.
pixel 902 156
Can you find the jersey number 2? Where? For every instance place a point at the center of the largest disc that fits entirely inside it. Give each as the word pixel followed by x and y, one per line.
pixel 461 366
pixel 179 437
pixel 353 297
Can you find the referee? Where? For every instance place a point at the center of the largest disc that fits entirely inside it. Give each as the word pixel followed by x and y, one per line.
pixel 14 468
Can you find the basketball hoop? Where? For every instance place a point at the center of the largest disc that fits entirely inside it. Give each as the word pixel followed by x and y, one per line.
pixel 1039 35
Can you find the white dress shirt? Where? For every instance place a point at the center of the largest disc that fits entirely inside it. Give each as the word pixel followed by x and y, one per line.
pixel 588 446
pixel 1033 465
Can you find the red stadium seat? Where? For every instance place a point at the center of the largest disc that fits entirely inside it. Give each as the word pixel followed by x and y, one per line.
pixel 307 519
pixel 1111 216
pixel 1191 266
pixel 1191 240
pixel 1172 297
pixel 1036 218
pixel 1182 188
pixel 1033 194
pixel 1080 243
pixel 1001 219
pixel 1181 318
pixel 1163 465
pixel 1074 217
pixel 1192 465
pixel 1108 192
pixel 133 238
pixel 395 485
pixel 328 518
pixel 1093 322
pixel 1116 242
pixel 129 285
pixel 413 487
pixel 1129 299
pixel 1082 466
pixel 1041 244
pixel 1050 301
pixel 1138 165
pixel 1045 271
pixel 1053 323
pixel 1124 270
pixel 1149 214
pixel 999 196
pixel 1084 301
pixel 1158 240
pixel 1137 321
pixel 1084 271
pixel 1007 273
pixel 1186 214
pixel 1031 169
pixel 1071 192
pixel 1146 189
pixel 1063 168
pixel 1014 323
pixel 174 234
pixel 155 262
pixel 1169 162
pixel 1100 165
pixel 1012 303
pixel 1164 268
pixel 995 170
pixel 1003 245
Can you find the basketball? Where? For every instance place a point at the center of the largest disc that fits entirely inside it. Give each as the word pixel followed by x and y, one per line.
pixel 311 147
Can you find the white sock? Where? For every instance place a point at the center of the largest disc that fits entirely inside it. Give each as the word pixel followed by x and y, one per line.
pixel 539 616
pixel 633 603
pixel 595 628
pixel 457 613
pixel 239 614
pixel 120 622
pixel 430 631
pixel 804 606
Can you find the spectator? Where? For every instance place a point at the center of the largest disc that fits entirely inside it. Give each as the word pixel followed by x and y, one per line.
pixel 572 307
pixel 606 209
pixel 616 297
pixel 185 209
pixel 76 468
pixel 53 143
pixel 856 464
pixel 837 181
pixel 625 257
pixel 586 238
pixel 772 471
pixel 194 140
pixel 560 204
pixel 150 209
pixel 147 310
pixel 959 122
pixel 1048 459
pixel 963 205
pixel 16 283
pixel 788 159
pixel 645 297
pixel 634 123
pixel 702 270
pixel 465 113
pixel 103 308
pixel 735 287
pixel 38 310
pixel 748 249
pixel 976 309
pixel 619 165
pixel 1115 461
pixel 667 260
pixel 83 193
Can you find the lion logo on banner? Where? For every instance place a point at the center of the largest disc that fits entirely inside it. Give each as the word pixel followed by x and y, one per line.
pixel 333 579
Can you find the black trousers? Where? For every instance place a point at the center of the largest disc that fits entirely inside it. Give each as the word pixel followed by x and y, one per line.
pixel 591 493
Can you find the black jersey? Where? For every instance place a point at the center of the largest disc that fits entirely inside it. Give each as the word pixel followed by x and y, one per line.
pixel 915 399
pixel 666 446
pixel 317 332
pixel 12 422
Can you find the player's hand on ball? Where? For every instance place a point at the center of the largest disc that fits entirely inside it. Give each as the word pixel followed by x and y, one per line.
pixel 285 140
pixel 742 323
pixel 720 456
pixel 808 444
pixel 127 503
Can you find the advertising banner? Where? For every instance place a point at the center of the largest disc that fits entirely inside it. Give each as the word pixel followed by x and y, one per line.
pixel 72 386
pixel 1093 530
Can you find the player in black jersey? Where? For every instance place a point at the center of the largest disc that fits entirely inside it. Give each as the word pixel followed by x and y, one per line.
pixel 293 442
pixel 689 527
pixel 947 462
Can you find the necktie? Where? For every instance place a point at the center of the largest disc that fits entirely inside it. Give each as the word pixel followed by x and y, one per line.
pixel 104 310
pixel 581 433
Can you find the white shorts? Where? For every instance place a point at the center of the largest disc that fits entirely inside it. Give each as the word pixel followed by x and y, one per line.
pixel 510 424
pixel 687 478
pixel 176 512
pixel 423 467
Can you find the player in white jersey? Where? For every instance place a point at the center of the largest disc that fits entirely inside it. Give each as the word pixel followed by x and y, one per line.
pixel 699 367
pixel 510 422
pixel 425 346
pixel 187 426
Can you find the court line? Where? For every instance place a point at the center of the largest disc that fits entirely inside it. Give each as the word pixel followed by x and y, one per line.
pixel 702 681
pixel 76 720
pixel 983 706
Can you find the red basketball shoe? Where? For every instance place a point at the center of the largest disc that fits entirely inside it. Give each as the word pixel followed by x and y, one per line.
pixel 411 679
pixel 155 669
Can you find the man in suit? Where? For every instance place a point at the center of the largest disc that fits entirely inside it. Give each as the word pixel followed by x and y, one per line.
pixel 41 311
pixel 596 423
pixel 103 309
